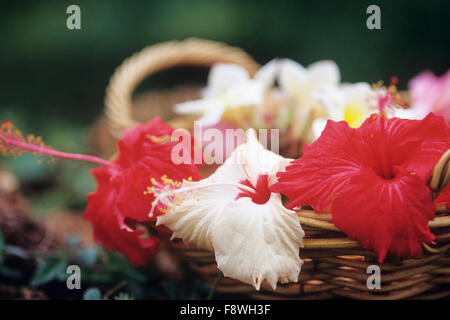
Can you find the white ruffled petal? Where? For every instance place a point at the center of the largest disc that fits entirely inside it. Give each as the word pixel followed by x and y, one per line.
pixel 255 242
pixel 255 159
pixel 192 218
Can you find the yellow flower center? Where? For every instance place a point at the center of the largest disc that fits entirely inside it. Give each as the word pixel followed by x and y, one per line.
pixel 354 114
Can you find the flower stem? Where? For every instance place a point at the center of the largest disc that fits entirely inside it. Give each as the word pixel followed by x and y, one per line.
pixel 54 153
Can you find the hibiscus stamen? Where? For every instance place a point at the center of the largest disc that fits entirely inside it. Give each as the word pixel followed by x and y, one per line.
pixel 166 192
pixel 387 98
pixel 12 142
pixel 261 192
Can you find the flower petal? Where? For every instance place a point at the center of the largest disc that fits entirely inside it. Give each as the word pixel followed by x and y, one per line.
pixel 328 164
pixel 196 106
pixel 192 219
pixel 250 93
pixel 268 73
pixel 213 115
pixel 325 71
pixel 255 242
pixel 385 216
pixel 224 75
pixel 318 126
pixel 109 226
pixel 293 76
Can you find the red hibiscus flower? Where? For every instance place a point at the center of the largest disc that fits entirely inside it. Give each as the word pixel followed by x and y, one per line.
pixel 119 208
pixel 373 179
pixel 119 205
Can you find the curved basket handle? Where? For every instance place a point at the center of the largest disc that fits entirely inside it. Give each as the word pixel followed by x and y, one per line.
pixel 440 176
pixel 158 57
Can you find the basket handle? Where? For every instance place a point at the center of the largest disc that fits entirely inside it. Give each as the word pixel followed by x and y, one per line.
pixel 158 57
pixel 440 176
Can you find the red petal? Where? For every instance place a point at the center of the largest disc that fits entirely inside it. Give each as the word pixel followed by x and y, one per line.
pixel 119 202
pixel 109 230
pixel 135 142
pixel 326 165
pixel 385 215
pixel 415 145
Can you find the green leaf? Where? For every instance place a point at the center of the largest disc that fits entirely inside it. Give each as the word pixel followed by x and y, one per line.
pixel 92 294
pixel 49 270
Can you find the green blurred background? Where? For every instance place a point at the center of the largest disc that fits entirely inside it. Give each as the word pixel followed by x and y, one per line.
pixel 53 79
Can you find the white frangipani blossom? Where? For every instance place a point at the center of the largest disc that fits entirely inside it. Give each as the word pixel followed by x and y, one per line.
pixel 234 214
pixel 412 113
pixel 352 103
pixel 301 82
pixel 229 87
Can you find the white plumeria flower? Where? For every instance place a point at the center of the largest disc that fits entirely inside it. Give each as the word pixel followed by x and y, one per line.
pixel 412 113
pixel 229 87
pixel 234 214
pixel 301 82
pixel 352 103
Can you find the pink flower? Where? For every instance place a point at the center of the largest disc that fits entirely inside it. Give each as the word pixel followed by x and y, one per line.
pixel 430 93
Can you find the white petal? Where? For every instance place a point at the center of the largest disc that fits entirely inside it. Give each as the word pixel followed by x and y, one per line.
pixel 268 73
pixel 412 113
pixel 361 91
pixel 195 107
pixel 332 98
pixel 254 159
pixel 246 94
pixel 224 75
pixel 325 71
pixel 293 76
pixel 318 126
pixel 255 242
pixel 192 219
pixel 213 114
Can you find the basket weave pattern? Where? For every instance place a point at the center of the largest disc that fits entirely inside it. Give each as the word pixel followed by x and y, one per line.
pixel 334 266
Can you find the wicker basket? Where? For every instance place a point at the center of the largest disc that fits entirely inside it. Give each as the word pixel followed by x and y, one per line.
pixel 335 266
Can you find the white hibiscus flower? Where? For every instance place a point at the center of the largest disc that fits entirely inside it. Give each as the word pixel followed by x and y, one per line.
pixel 234 214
